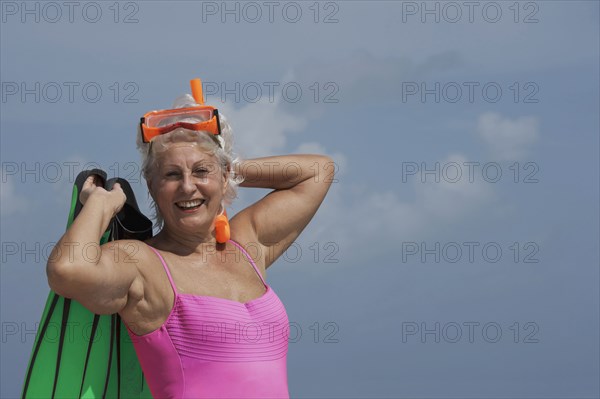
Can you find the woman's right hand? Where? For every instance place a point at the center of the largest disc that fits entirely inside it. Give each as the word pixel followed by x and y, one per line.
pixel 100 282
pixel 93 187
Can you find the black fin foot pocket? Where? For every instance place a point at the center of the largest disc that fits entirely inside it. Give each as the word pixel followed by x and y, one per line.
pixel 130 222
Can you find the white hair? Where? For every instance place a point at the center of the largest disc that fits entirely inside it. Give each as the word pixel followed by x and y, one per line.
pixel 221 147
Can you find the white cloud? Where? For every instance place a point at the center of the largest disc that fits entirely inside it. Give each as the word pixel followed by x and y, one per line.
pixel 310 148
pixel 376 220
pixel 260 128
pixel 364 77
pixel 316 148
pixel 70 168
pixel 10 202
pixel 451 200
pixel 508 140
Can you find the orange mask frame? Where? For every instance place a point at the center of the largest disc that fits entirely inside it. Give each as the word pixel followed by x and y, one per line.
pixel 148 122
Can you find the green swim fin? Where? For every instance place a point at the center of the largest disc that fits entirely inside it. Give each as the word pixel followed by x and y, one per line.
pixel 79 354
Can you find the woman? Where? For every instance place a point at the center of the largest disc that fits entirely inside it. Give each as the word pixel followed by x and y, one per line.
pixel 202 319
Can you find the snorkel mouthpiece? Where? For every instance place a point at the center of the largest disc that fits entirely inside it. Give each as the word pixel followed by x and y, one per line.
pixel 222 232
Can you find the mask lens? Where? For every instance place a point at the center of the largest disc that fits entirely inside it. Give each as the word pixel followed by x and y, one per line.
pixel 170 118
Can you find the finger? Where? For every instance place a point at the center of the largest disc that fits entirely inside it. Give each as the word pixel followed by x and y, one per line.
pixel 98 180
pixel 93 180
pixel 88 182
pixel 117 187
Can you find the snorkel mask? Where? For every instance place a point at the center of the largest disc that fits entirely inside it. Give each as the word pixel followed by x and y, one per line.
pixel 201 118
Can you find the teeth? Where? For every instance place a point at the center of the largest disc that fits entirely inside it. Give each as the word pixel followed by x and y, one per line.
pixel 189 204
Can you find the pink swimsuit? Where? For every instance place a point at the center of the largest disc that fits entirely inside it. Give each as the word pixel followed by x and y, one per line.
pixel 213 347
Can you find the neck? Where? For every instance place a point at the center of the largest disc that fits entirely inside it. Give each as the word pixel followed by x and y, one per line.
pixel 185 243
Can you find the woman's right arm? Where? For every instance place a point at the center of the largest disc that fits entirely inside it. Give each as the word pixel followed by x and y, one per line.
pixel 99 277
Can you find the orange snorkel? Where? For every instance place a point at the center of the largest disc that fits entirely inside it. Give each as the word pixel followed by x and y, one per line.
pixel 196 85
pixel 222 231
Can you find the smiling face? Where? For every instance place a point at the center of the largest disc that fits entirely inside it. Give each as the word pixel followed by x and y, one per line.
pixel 188 185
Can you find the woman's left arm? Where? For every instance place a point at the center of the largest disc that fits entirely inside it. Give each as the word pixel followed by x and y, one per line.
pixel 299 182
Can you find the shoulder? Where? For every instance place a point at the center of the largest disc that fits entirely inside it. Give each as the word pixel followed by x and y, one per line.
pixel 242 229
pixel 140 255
pixel 243 233
pixel 150 290
pixel 127 251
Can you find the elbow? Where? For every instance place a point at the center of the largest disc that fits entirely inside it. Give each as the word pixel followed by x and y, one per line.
pixel 57 278
pixel 324 159
pixel 328 169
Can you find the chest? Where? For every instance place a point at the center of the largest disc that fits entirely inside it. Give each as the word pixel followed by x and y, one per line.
pixel 223 277
pixel 216 329
pixel 231 278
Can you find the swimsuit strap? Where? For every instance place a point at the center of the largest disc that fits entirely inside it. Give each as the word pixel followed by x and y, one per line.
pixel 246 254
pixel 162 260
pixel 249 260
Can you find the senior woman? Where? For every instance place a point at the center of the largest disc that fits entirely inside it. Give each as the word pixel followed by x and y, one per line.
pixel 203 320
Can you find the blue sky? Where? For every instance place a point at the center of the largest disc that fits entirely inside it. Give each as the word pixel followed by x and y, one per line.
pixel 502 269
